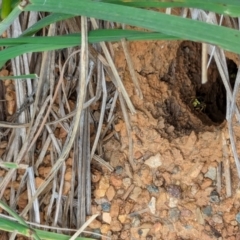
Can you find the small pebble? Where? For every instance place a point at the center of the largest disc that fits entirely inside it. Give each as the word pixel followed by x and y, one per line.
pixel 120 191
pixel 116 226
pixel 136 222
pixel 116 180
pixel 105 228
pixel 152 205
pixel 206 183
pixel 127 182
pixel 211 173
pixel 119 170
pixel 158 181
pixel 154 161
pixel 186 212
pixel 207 211
pixel 217 219
pixel 114 212
pixel 135 193
pixel 174 190
pixel 238 217
pixel 152 189
pixel 106 206
pixel 176 170
pixel 234 223
pixel 143 232
pixel 174 214
pixel 110 193
pixel 214 197
pixel 106 217
pixel 194 189
pixel 173 202
pixel 138 155
pixel 122 218
pixel 104 183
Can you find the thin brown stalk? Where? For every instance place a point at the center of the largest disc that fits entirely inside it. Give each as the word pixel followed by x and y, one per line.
pixel 120 85
pixel 100 122
pixel 226 163
pixel 204 63
pixel 58 203
pixel 103 162
pixel 131 69
pixel 129 131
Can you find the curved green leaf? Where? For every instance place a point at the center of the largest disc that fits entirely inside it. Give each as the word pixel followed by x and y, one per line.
pixel 23 45
pixel 151 20
pixel 10 226
pixel 229 7
pixel 52 18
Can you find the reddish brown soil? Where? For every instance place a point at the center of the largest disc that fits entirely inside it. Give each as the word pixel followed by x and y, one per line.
pixel 171 194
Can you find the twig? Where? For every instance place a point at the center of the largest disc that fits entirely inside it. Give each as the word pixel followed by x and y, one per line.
pixel 79 231
pixel 100 122
pixel 102 162
pixel 219 176
pixel 131 69
pixel 113 105
pixel 59 195
pixel 129 190
pixel 120 85
pixel 204 63
pixel 226 167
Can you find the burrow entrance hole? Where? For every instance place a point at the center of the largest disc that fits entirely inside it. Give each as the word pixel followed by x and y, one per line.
pixel 206 101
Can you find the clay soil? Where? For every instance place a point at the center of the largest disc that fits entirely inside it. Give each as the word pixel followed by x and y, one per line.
pixel 177 189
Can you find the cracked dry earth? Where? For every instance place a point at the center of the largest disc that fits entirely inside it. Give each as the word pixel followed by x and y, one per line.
pixel 182 154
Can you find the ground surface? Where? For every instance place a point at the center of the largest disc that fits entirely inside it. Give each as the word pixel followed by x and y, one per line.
pixel 179 186
pixel 177 189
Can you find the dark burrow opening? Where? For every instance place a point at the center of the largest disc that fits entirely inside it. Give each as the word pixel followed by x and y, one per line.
pixel 206 101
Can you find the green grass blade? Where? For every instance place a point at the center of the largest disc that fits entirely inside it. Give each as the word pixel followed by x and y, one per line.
pixel 10 165
pixel 4 25
pixel 38 44
pixel 229 7
pixel 94 37
pixel 52 18
pixel 31 76
pixel 10 226
pixel 155 21
pixel 11 212
pixel 6 8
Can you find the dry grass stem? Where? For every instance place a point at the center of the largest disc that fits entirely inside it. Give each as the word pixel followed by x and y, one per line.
pixel 120 86
pixel 103 162
pixel 131 69
pixel 226 166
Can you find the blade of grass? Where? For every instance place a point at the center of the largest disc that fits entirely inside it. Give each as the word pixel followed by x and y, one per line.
pixel 154 21
pixel 32 76
pixel 229 7
pixel 6 8
pixel 38 44
pixel 10 226
pixel 21 220
pixel 52 18
pixel 4 25
pixel 94 37
pixel 12 165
